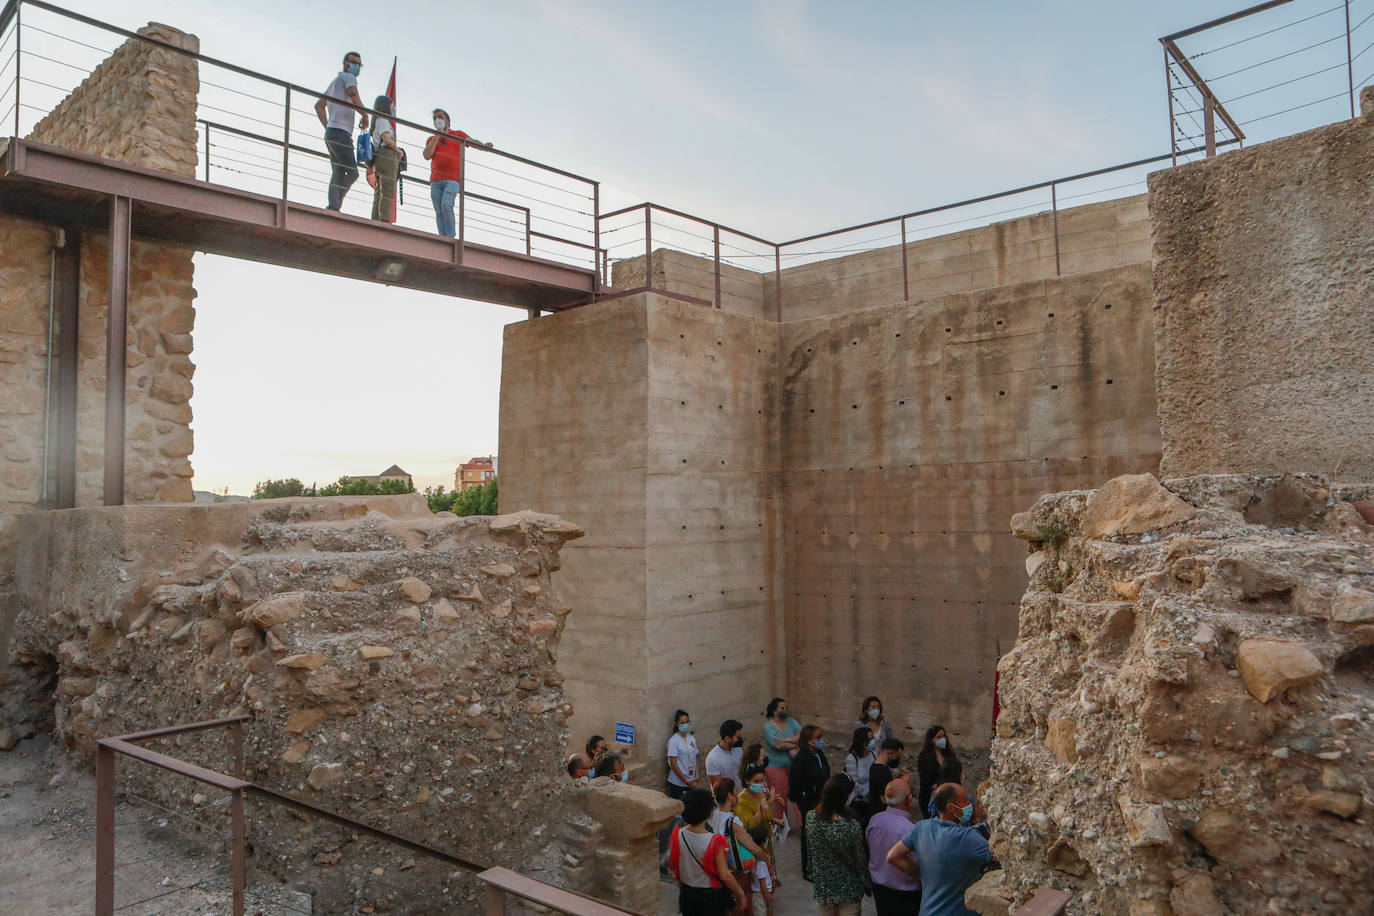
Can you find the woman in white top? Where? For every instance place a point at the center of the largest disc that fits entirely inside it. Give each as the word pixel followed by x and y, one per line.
pixel 682 756
pixel 856 765
pixel 386 160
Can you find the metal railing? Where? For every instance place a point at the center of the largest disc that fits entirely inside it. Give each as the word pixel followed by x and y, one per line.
pixel 1266 71
pixel 501 883
pixel 260 133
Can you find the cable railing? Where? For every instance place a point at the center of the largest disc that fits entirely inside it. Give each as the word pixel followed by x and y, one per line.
pixel 234 791
pixel 1266 71
pixel 261 134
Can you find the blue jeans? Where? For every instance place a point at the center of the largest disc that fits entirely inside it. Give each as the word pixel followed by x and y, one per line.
pixel 444 193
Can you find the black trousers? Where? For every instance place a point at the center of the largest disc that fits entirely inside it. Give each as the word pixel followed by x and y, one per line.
pixel 891 902
pixel 342 157
pixel 704 901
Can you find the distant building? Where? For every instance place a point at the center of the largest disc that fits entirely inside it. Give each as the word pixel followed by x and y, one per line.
pixel 474 473
pixel 392 473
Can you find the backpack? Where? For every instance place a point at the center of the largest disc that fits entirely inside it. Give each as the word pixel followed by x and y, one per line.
pixel 364 148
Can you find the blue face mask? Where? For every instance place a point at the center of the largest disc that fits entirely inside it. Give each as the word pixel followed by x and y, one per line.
pixel 685 727
pixel 625 776
pixel 820 743
pixel 872 743
pixel 757 787
pixel 966 813
pixel 354 68
pixel 875 713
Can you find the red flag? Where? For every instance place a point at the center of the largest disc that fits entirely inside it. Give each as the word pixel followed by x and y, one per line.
pixel 391 94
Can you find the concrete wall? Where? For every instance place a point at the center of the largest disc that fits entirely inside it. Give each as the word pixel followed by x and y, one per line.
pixel 1266 344
pixel 138 106
pixel 654 418
pixel 741 291
pixel 1092 237
pixel 910 434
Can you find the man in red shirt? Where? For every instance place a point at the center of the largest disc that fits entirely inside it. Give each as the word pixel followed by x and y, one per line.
pixel 444 150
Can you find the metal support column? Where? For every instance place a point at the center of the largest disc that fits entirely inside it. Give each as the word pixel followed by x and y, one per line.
pixel 648 247
pixel 906 286
pixel 531 313
pixel 1209 123
pixel 18 61
pixel 1349 61
pixel 239 861
pixel 104 830
pixel 207 152
pixel 596 238
pixel 777 282
pixel 462 194
pixel 285 160
pixel 1054 208
pixel 68 320
pixel 1169 92
pixel 717 248
pixel 116 345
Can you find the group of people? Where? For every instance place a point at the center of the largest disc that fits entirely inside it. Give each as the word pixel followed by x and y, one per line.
pixel 914 841
pixel 341 106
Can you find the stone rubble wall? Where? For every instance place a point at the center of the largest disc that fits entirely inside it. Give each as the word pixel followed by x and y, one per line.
pixel 138 107
pixel 400 667
pixel 1187 722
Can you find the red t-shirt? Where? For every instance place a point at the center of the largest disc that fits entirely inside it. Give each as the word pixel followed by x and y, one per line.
pixel 447 162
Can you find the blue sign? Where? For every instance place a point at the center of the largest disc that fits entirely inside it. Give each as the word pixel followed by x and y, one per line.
pixel 624 733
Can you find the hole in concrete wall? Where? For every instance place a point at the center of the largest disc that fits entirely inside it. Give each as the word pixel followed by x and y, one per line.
pixel 999 320
pixel 1001 394
pixel 853 343
pixel 1107 306
pixel 898 334
pixel 854 406
pixel 1109 381
pixel 948 397
pixel 808 349
pixel 684 460
pixel 901 402
pixel 720 407
pixel 683 403
pixel 1051 314
pixel 949 330
pixel 682 336
pixel 1054 387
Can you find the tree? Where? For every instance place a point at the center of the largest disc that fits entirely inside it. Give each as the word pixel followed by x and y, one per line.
pixel 276 489
pixel 439 499
pixel 479 500
pixel 356 486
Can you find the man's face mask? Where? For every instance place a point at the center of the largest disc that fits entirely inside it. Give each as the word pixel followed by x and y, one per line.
pixel 354 68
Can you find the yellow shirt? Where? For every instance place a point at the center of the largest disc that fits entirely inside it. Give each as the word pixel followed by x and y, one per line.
pixel 751 810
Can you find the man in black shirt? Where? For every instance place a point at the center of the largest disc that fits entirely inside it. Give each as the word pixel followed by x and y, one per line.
pixel 886 767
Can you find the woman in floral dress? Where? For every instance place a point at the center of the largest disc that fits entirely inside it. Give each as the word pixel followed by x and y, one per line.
pixel 839 865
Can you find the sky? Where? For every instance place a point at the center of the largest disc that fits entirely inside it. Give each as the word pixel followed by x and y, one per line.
pixel 781 118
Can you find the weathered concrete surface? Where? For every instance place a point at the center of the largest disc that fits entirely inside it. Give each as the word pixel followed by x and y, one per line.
pixel 399 667
pixel 1263 325
pixel 1093 237
pixel 1187 716
pixel 741 291
pixel 659 418
pixel 909 434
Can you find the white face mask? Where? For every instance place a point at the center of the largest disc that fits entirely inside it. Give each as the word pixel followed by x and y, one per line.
pixel 440 124
pixel 941 743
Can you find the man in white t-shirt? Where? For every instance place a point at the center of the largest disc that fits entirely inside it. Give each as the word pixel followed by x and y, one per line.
pixel 725 758
pixel 338 127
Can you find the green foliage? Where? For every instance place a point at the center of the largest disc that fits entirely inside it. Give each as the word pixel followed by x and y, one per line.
pixel 439 499
pixel 1052 533
pixel 480 500
pixel 276 489
pixel 353 486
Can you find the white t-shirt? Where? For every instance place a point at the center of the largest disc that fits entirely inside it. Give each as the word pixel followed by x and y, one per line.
pixel 380 127
pixel 723 763
pixel 341 116
pixel 684 750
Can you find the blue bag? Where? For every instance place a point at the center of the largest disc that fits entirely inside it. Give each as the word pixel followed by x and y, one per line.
pixel 364 148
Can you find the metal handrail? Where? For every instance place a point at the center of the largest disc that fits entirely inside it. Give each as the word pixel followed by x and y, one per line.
pixel 499 881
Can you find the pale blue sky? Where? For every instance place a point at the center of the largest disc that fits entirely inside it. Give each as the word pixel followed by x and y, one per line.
pixel 782 118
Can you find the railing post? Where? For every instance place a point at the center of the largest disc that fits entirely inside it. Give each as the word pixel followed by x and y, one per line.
pixel 496 901
pixel 116 345
pixel 648 246
pixel 236 745
pixel 462 193
pixel 716 233
pixel 777 281
pixel 285 159
pixel 104 830
pixel 596 238
pixel 1169 92
pixel 906 286
pixel 1054 208
pixel 1209 125
pixel 1349 61
pixel 207 152
pixel 18 61
pixel 239 865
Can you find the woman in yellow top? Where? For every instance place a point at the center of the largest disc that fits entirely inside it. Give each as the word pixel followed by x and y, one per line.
pixel 755 811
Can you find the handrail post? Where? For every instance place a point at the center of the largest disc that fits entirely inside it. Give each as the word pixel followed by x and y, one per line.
pixel 596 238
pixel 104 830
pixel 1349 61
pixel 18 61
pixel 1169 91
pixel 285 158
pixel 462 193
pixel 648 246
pixel 496 901
pixel 207 151
pixel 236 742
pixel 116 347
pixel 239 862
pixel 717 244
pixel 1209 124
pixel 1054 208
pixel 777 281
pixel 906 286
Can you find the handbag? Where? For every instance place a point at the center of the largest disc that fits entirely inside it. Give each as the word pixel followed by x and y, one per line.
pixel 364 148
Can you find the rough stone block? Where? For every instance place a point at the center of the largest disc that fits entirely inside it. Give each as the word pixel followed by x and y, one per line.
pixel 1270 666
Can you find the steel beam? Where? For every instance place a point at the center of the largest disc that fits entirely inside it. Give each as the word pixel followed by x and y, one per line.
pixel 104 829
pixel 116 345
pixel 68 321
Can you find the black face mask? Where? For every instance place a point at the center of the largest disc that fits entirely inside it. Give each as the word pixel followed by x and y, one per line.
pixel 895 762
